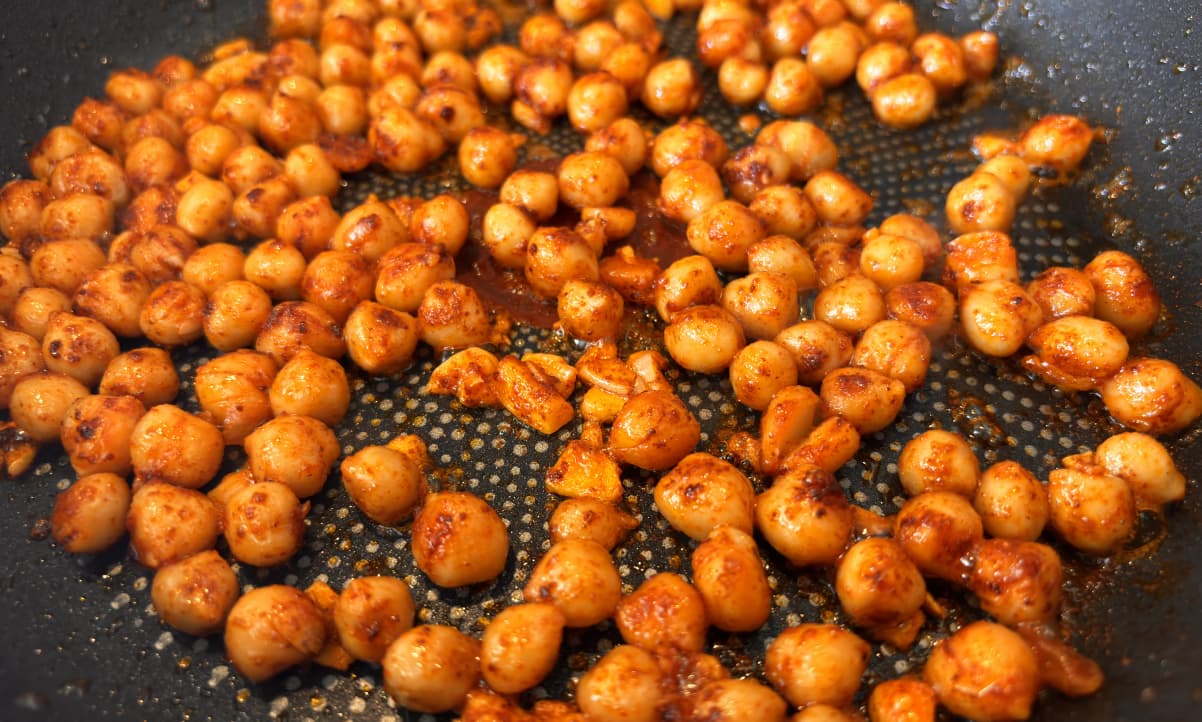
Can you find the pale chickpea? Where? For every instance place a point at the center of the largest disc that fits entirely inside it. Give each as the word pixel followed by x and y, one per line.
pixel 981 256
pixel 497 68
pixel 535 192
pixel 1013 504
pixel 1012 171
pixel 980 202
pixel 451 315
pixel 851 305
pixel 820 663
pixel 147 374
pixel 96 433
pixel 623 686
pixel 940 531
pixel 1056 142
pixel 904 698
pixel 205 210
pixel 906 100
pixel 64 264
pixel 671 88
pixel 32 308
pixel 232 391
pixel 881 590
pixel 380 340
pixel 1017 582
pixel 402 141
pixel 173 314
pixel 1062 291
pixel 653 430
pixel 742 81
pixel 625 140
pixel 666 611
pixel 556 255
pixel 729 575
pixel 89 516
pixel 997 317
pixel 407 271
pixel 385 484
pixel 308 224
pixel 817 347
pixel 702 493
pixel 896 349
pixel 195 594
pixel 787 30
pixel 264 524
pixel 520 646
pixel 805 516
pixel 793 88
pixel 234 314
pixel 431 668
pixel 298 451
pixel 704 338
pixel 79 215
pixel 1153 396
pixel 272 628
pixel 759 370
pixel 1125 294
pixel 168 523
pixel 171 445
pixel 370 614
pixel 764 303
pixel 78 346
pixel 458 539
pixel 984 671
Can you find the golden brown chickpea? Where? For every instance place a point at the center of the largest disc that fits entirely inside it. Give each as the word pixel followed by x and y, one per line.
pixel 520 646
pixel 787 30
pixel 337 281
pixel 1153 396
pixel 289 121
pixel 905 698
pixel 730 577
pixel 792 88
pixel 891 261
pixel 541 93
pixel 689 189
pixel 89 516
pixel 370 614
pixel 63 264
pixel 79 215
pixel 728 38
pixel 440 220
pixel 151 162
pixel 702 493
pixel 100 122
pixel 684 141
pixel 96 433
pixel 557 255
pixel 205 210
pixel 579 578
pixel 625 140
pixel 195 594
pixel 590 311
pixel 785 211
pixel 385 484
pixel 1125 294
pixel 234 314
pixel 308 224
pixel 232 391
pixel 623 686
pixel 32 308
pixel 654 430
pixel 431 668
pixel 1145 464
pixel 1091 509
pixel 980 202
pixel 940 531
pixel 407 271
pixel 247 165
pixel 666 611
pixel 370 230
pixel 458 539
pixel 78 346
pixel 310 172
pixel 257 209
pixel 984 671
pixel 168 523
pixel 904 101
pixel 704 338
pixel 1013 504
pixel 880 63
pixel 1076 352
pixel 759 370
pixel 820 663
pixel 591 519
pixel 832 52
pixel 837 199
pixel 1012 171
pixel 742 81
pixel 189 98
pixel 1017 582
pixel 764 303
pixel 868 399
pixel 451 315
pixel 173 314
pixel 486 156
pixel 147 374
pixel 506 232
pixel 851 305
pixel 497 68
pixel 451 111
pixel 311 385
pixel 941 60
pixel 276 267
pixel 379 339
pixel 753 169
pixel 213 265
pixel 983 256
pixel 270 629
pixel 208 148
pixel 61 141
pixel 671 88
pixel 295 450
pixel 21 205
pixel 294 18
pixel 733 699
pixel 805 516
pixel 980 50
pixel 161 252
pixel 927 306
pixel 150 208
pixel 938 460
pixel 171 445
pixel 896 349
pixel 91 171
pixel 402 141
pixel 1062 291
pixel 881 590
pixel 39 401
pixel 264 524
pixel 1056 142
pixel 591 179
pixel 817 349
pixel 892 22
pixel 997 317
pixel 723 233
pixel 595 101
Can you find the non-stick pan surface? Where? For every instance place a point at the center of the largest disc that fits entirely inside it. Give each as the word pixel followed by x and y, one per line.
pixel 79 639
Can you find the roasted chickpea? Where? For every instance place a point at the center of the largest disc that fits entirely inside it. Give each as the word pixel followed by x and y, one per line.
pixel 851 305
pixel 311 385
pixel 785 211
pixel 63 264
pixel 371 613
pixel 1056 142
pixel 168 523
pixel 308 224
pixel 625 140
pixel 904 698
pixel 759 370
pixel 881 590
pixel 195 594
pixel 984 671
pixel 79 215
pixel 787 30
pixel 385 484
pixel 497 68
pixel 820 663
pixel 938 460
pixel 96 433
pixel 687 140
pixel 147 374
pixel 173 314
pixel 591 179
pixel 451 315
pixel 234 315
pixel 904 101
pixel 486 156
pixel 1145 464
pixel 704 338
pixel 153 161
pixel 817 347
pixel 980 202
pixel 654 430
pixel 926 306
pixel 89 516
pixel 161 252
pixel 590 311
pixel 723 233
pixel 406 272
pixel 78 346
pixel 40 400
pixel 896 349
pixel 431 668
pixel 1012 171
pixel 520 646
pixel 998 316
pixel 458 539
pixel 379 339
pixel 1061 291
pixel 1091 509
pixel 60 142
pixel 556 255
pixel 1125 294
pixel 1017 582
pixel 402 141
pixel 32 308
pixel 205 210
pixel 742 81
pixel 232 390
pixel 980 50
pixel 264 524
pixel 623 686
pixel 730 577
pixel 1013 504
pixel 665 610
pixel 702 493
pixel 212 265
pixel 671 88
pixel 832 52
pixel 579 578
pixel 1076 352
pixel 805 516
pixel 689 189
pixel 295 325
pixel 270 629
pixel 298 451
pixel 171 445
pixel 982 256
pixel 541 93
pixel 793 88
pixel 595 101
pixel 1153 396
pixel 591 519
pixel 940 531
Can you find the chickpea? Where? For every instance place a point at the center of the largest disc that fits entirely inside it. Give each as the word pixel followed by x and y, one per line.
pixel 980 202
pixel 891 261
pixel 805 516
pixel 520 646
pixel 486 156
pixel 896 349
pixel 78 346
pixel 311 385
pixel 91 171
pixel 39 401
pixel 471 550
pixel 782 255
pixel 793 88
pixel 21 205
pixel 727 38
pixel 1153 396
pixel 451 315
pixel 32 308
pixel 591 179
pixel 89 516
pixel 168 523
pixel 147 374
pixel 195 594
pixel 1092 510
pixel 851 305
pixel 337 281
pixel 764 303
pixel 1076 352
pixel 60 142
pixel 690 189
pixel 161 253
pixel 723 233
pixel 407 271
pixel 817 347
pixel 402 141
pixel 704 338
pixel 205 210
pixel 213 265
pixel 732 699
pixel 383 483
pixel 534 192
pixel 555 256
pixel 153 161
pixel 247 165
pixel 370 230
pixel 980 50
pixel 595 101
pixel 837 199
pixel 431 668
pixel 787 30
pixel 927 306
pixel 702 493
pixel 171 445
pixel 654 430
pixel 295 325
pixel 234 314
pixel 671 88
pixel 590 311
pixel 541 93
pixel 1012 503
pixel 1061 291
pixel 623 686
pixel 79 215
pixel 1017 582
pixel 578 577
pixel 905 101
pixel 272 628
pixel 96 433
pixel 940 531
pixel 1124 293
pixel 832 52
pixel 497 68
pixel 379 339
pixel 742 81
pixel 590 519
pixel 753 169
pixel 1056 142
pixel 687 140
pixel 759 370
pixel 1145 465
pixel 892 22
pixel 308 224
pixel 665 610
pixel 264 524
pixel 370 614
pixel 173 314
pixel 881 590
pixel 982 256
pixel 625 140
pixel 904 698
pixel 1012 171
pixel 820 663
pixel 232 391
pixel 835 258
pixel 729 575
pixel 298 451
pixel 984 671
pixel 100 122
pixel 63 264
pixel 998 316
pixel 938 460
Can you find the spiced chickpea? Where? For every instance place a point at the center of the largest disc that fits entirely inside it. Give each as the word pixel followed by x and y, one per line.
pixel 96 433
pixel 210 266
pixel 851 305
pixel 653 430
pixel 520 646
pixel 1013 504
pixel 805 516
pixel 595 101
pixel 194 595
pixel 555 256
pixel 247 165
pixel 232 390
pixel 982 256
pixel 625 140
pixel 891 261
pixel 742 81
pixel 723 233
pixel 938 460
pixel 234 314
pixel 171 445
pixel 759 370
pixel 589 310
pixel 380 340
pixel 984 671
pixel 472 549
pixel 64 264
pixel 276 267
pixel 939 530
pixel 704 338
pixel 784 210
pixel 980 50
pixel 337 281
pixel 370 229
pixel 161 252
pixel 1056 142
pixel 497 68
pixel 832 52
pixel 687 140
pixel 787 30
pixel 881 590
pixel 896 349
pixel 440 220
pixel 100 122
pixel 1061 291
pixel 837 199
pixel 1124 293
pixel 1145 465
pixel 32 308
pixel 730 577
pixel 689 189
pixel 295 450
pixel 980 202
pixel 406 272
pixel 579 578
pixel 702 493
pixel 868 399
pixel 997 317
pixel 764 303
pixel 486 156
pixel 591 179
pixel 624 685
pixel 904 698
pixel 906 100
pixel 371 613
pixel 386 485
pixel 451 315
pixel 665 610
pixel 89 515
pixel 21 205
pixel 820 663
pixel 264 524
pixel 1017 582
pixel 61 141
pixel 147 374
pixel 817 348
pixel 79 215
pixel 671 88
pixel 592 519
pixel 402 141
pixel 91 171
pixel 38 401
pixel 78 346
pixel 152 162
pixel 308 224
pixel 431 668
pixel 205 210
pixel 167 523
pixel 272 628
pixel 173 314
pixel 1076 352
pixel 541 93
pixel 1153 396
pixel 793 88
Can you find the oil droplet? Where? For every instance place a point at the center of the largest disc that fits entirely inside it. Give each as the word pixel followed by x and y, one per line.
pixel 184 663
pixel 243 695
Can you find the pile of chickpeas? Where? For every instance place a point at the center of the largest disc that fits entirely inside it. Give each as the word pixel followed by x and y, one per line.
pixel 194 203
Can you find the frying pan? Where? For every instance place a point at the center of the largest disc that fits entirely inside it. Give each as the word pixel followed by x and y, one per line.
pixel 79 639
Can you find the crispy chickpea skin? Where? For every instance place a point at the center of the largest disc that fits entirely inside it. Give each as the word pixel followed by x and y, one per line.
pixel 590 311
pixel 702 493
pixel 729 575
pixel 978 257
pixel 89 516
pixel 852 304
pixel 868 399
pixel 295 450
pixel 78 346
pixel 759 370
pixel 653 430
pixel 458 539
pixel 380 340
pixel 195 594
pixel 665 610
pixel 147 374
pixel 980 202
pixel 579 578
pixel 984 671
pixel 520 646
pixel 591 519
pixel 1013 504
pixel 939 530
pixel 234 314
pixel 337 281
pixel 1017 581
pixel 997 317
pixel 1153 396
pixel 689 281
pixel 817 347
pixel 386 485
pixel 406 271
pixel 295 325
pixel 881 590
pixel 805 516
pixel 1056 142
pixel 64 264
pixel 20 355
pixel 925 305
pixel 167 523
pixel 816 663
pixel 96 433
pixel 272 628
pixel 1061 291
pixel 371 613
